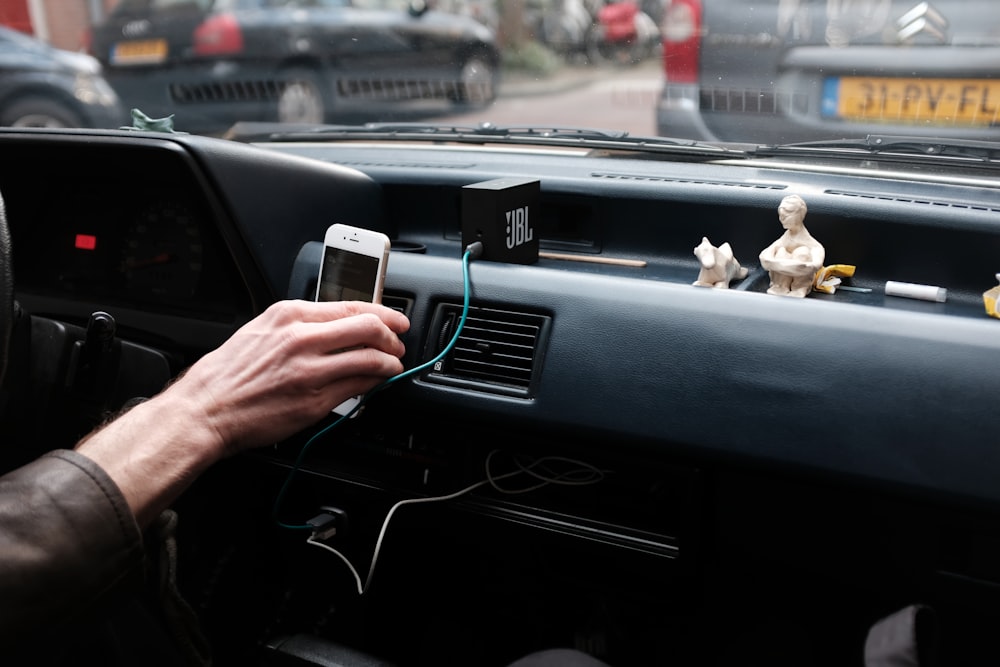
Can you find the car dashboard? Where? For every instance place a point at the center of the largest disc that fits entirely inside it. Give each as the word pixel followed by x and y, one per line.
pixel 657 472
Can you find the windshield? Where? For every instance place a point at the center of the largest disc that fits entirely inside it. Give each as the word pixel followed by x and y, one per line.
pixel 720 72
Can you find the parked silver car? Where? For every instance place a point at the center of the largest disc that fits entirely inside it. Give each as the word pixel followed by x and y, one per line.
pixel 798 70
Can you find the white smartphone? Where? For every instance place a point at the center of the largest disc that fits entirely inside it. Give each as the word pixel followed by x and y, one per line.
pixel 352 269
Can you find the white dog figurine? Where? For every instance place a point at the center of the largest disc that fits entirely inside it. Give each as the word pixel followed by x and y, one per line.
pixel 718 265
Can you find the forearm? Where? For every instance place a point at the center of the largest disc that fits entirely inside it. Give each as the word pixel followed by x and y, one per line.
pixel 154 451
pixel 67 541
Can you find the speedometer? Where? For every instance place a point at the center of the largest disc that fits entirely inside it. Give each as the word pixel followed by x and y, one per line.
pixel 162 251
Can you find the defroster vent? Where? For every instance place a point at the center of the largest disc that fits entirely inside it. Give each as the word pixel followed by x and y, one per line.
pixel 498 351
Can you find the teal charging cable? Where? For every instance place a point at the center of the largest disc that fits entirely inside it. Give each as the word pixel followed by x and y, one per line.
pixel 473 251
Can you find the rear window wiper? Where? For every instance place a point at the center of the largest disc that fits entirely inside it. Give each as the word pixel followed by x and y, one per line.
pixel 961 151
pixel 485 133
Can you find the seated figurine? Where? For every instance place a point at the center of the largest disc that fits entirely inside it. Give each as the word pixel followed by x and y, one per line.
pixel 718 265
pixel 793 260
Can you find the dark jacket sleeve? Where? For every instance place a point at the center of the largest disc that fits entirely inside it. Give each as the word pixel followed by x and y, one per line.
pixel 68 542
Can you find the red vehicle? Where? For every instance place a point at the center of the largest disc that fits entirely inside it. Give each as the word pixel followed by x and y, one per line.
pixel 618 21
pixel 623 33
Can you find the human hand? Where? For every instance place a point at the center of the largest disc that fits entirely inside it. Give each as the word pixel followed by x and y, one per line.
pixel 290 366
pixel 278 374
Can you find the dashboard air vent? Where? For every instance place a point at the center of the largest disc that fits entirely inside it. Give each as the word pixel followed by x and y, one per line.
pixel 687 181
pixel 401 304
pixel 915 200
pixel 498 351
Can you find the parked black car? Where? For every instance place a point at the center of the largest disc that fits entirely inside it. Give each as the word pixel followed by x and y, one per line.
pixel 781 71
pixel 211 64
pixel 45 87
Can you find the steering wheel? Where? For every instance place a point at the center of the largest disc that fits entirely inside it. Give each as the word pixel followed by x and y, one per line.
pixel 6 291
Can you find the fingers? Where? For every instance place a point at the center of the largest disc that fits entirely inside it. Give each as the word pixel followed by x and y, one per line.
pixel 303 341
pixel 362 339
pixel 358 369
pixel 366 330
pixel 341 390
pixel 326 311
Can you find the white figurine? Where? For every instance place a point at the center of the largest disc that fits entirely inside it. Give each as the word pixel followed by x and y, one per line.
pixel 793 260
pixel 718 265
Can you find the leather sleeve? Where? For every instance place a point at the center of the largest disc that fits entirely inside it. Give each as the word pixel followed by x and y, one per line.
pixel 68 541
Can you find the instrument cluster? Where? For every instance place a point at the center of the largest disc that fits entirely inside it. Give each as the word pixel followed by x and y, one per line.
pixel 146 248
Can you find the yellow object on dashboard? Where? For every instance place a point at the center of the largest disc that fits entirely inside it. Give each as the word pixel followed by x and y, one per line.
pixel 990 299
pixel 828 278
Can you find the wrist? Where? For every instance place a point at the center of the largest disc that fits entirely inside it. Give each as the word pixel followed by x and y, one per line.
pixel 154 451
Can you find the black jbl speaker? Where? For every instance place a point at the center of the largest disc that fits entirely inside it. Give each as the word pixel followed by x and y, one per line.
pixel 501 213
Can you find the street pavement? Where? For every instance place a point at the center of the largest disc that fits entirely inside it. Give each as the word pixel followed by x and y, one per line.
pixel 572 77
pixel 606 96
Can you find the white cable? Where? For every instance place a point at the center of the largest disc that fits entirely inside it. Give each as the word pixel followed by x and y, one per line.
pixel 321 545
pixel 594 475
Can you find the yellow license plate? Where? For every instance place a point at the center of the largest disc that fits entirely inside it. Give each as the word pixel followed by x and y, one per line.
pixel 140 52
pixel 931 101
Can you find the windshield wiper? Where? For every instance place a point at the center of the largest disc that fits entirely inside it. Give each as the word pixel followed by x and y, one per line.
pixel 902 147
pixel 484 133
pixel 484 129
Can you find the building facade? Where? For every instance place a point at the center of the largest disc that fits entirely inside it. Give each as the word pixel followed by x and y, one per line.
pixel 61 23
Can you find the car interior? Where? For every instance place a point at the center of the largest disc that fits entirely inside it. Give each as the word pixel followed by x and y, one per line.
pixel 609 457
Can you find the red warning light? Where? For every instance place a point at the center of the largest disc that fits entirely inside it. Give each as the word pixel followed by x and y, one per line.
pixel 85 241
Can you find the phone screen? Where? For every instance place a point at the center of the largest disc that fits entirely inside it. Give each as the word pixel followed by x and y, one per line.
pixel 347 276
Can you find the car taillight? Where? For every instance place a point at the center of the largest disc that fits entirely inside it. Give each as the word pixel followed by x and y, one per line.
pixel 681 30
pixel 218 35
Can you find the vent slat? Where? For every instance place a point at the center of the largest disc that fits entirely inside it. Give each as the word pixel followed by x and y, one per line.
pixel 494 337
pixel 478 342
pixel 496 371
pixel 492 356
